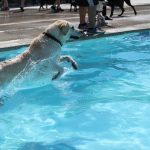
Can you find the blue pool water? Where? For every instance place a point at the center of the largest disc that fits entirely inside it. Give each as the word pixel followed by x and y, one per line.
pixel 104 105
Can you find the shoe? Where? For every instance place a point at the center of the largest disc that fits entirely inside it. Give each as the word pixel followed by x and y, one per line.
pixel 22 9
pixel 95 31
pixel 83 26
pixel 92 31
pixel 107 18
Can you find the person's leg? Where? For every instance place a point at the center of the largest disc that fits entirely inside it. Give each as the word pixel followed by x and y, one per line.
pixel 92 20
pixel 57 3
pixel 91 16
pixel 5 5
pixel 82 15
pixel 22 5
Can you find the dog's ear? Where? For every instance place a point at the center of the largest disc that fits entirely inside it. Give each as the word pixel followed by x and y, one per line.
pixel 64 27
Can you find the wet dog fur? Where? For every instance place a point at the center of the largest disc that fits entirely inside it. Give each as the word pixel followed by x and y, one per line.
pixel 42 48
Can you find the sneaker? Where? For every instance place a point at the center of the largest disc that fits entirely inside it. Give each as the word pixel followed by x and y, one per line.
pixel 95 31
pixel 83 26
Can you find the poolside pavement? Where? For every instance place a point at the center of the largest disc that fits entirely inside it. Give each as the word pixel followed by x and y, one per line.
pixel 19 28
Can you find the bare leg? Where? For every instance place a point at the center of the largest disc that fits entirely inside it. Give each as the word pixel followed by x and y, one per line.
pixel 82 14
pixel 57 6
pixel 5 5
pixel 57 3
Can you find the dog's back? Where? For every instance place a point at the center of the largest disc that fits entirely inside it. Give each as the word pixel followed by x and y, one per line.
pixel 115 2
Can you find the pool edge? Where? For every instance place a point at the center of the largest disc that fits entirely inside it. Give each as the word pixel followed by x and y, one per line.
pixel 7 45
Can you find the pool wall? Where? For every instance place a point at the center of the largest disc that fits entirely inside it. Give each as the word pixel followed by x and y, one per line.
pixel 114 32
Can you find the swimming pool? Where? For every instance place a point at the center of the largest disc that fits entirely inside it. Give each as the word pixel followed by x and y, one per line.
pixel 105 104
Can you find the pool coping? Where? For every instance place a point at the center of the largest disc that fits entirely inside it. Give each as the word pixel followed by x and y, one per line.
pixel 9 45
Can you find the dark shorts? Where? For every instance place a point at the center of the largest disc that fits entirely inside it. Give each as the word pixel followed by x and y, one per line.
pixel 85 3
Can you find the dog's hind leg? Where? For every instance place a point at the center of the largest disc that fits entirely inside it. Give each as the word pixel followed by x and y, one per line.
pixel 59 73
pixel 122 9
pixel 129 3
pixel 56 68
pixel 112 11
pixel 121 6
pixel 56 76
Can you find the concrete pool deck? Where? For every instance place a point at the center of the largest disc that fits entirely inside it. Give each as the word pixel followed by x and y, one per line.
pixel 19 28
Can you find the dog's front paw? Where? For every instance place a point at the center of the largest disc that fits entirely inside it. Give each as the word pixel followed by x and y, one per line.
pixel 74 65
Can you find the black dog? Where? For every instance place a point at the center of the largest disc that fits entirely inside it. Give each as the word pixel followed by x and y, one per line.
pixel 73 4
pixel 119 3
pixel 45 2
pixel 42 3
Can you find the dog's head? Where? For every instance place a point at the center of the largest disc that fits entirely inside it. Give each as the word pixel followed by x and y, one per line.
pixel 63 31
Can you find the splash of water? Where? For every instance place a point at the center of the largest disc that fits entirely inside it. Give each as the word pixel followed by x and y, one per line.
pixel 34 75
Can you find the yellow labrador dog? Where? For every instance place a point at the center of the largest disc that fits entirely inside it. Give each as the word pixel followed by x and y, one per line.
pixel 44 51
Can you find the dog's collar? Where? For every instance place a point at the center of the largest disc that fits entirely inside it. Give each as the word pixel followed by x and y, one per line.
pixel 53 38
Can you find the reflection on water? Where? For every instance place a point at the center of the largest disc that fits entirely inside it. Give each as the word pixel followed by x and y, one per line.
pixel 41 146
